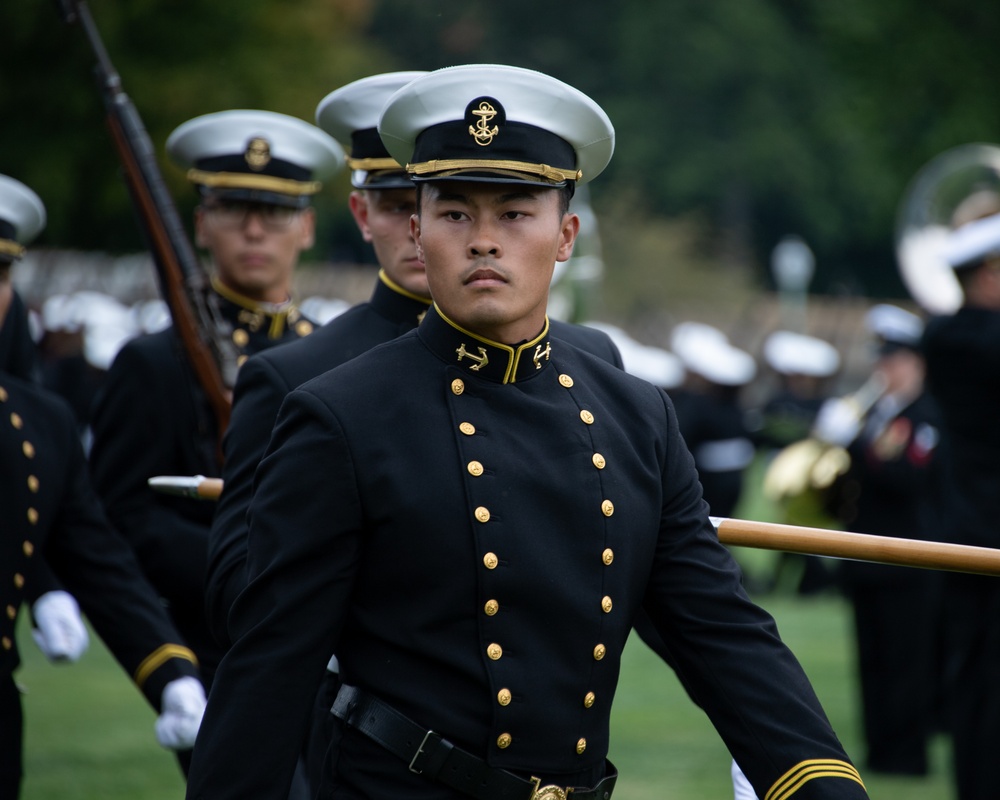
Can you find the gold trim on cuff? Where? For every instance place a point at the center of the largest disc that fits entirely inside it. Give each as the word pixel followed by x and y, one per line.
pixel 158 658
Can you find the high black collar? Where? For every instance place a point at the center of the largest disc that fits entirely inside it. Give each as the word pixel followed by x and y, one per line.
pixel 483 358
pixel 394 303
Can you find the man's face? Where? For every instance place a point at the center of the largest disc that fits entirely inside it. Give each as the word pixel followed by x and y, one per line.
pixel 490 250
pixel 254 246
pixel 383 217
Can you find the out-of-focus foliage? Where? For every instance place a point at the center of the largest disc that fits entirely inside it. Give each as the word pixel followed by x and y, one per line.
pixel 758 118
pixel 177 59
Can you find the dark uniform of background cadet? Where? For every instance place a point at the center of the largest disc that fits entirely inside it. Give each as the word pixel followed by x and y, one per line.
pixel 890 490
pixel 477 566
pixel 963 375
pixel 255 171
pixel 50 512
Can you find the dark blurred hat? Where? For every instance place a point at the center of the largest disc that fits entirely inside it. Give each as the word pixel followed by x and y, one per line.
pixel 22 217
pixel 257 156
pixel 894 328
pixel 494 123
pixel 350 114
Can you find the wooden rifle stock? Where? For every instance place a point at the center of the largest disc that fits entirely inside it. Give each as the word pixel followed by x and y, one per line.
pixel 203 333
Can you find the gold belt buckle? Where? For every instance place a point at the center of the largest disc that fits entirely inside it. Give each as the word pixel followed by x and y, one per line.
pixel 548 792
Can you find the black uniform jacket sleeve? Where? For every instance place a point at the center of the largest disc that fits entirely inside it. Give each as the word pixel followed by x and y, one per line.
pixel 62 519
pixel 556 487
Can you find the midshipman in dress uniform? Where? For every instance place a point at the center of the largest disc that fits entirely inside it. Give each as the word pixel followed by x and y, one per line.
pixel 52 520
pixel 256 172
pixel 472 515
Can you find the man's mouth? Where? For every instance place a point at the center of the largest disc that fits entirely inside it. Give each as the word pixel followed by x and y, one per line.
pixel 485 276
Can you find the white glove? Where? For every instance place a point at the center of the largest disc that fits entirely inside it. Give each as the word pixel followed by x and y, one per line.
pixel 183 707
pixel 837 422
pixel 59 633
pixel 742 790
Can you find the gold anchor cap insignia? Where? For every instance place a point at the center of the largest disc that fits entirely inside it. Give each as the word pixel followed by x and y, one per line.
pixel 481 113
pixel 481 360
pixel 258 153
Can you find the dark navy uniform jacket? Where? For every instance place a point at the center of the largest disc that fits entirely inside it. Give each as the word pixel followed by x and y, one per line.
pixel 963 374
pixel 466 523
pixel 262 385
pixel 49 508
pixel 152 418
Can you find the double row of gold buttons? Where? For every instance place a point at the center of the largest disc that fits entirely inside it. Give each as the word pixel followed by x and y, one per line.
pixel 28 449
pixel 482 514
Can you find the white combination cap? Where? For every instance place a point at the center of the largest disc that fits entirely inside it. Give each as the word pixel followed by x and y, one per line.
pixel 705 351
pixel 252 155
pixel 22 217
pixel 495 123
pixel 350 115
pixel 792 353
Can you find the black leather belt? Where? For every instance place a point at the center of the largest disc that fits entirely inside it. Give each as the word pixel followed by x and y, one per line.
pixel 430 755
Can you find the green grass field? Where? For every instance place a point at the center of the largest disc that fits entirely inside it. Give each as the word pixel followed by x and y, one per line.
pixel 89 733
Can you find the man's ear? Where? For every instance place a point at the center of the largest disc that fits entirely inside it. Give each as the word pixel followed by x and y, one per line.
pixel 200 237
pixel 570 228
pixel 358 203
pixel 307 230
pixel 415 234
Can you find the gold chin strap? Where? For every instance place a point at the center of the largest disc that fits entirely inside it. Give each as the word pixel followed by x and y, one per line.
pixel 240 180
pixel 9 248
pixel 454 165
pixel 370 164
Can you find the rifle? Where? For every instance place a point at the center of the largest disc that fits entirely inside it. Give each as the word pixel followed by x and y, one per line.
pixel 204 333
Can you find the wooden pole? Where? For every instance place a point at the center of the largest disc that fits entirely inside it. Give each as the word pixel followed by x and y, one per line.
pixel 760 535
pixel 858 546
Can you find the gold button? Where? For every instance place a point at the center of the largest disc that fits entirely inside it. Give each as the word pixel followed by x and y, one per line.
pixel 7 643
pixel 241 360
pixel 491 608
pixel 18 580
pixel 565 380
pixel 491 561
pixel 240 337
pixel 16 421
pixel 504 740
pixel 581 745
pixel 606 604
pixel 483 514
pixel 494 651
pixel 457 386
pixel 28 547
pixel 467 428
pixel 11 612
pixel 608 556
pixel 28 449
pixel 503 697
pixel 33 484
pixel 588 700
pixel 587 417
pixel 599 652
pixel 475 468
pixel 3 395
pixel 33 516
pixel 303 327
pixel 599 461
pixel 607 508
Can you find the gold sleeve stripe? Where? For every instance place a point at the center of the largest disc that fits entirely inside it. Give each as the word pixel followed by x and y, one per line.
pixel 158 658
pixel 447 165
pixel 805 771
pixel 239 180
